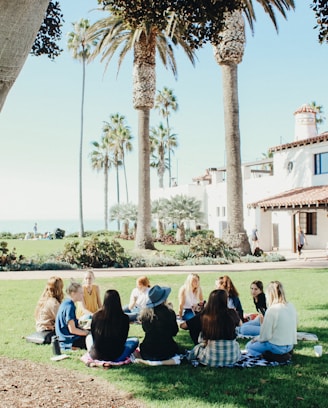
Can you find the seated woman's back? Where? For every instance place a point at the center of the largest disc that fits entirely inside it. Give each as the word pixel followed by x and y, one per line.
pixel 48 304
pixel 109 329
pixel 218 346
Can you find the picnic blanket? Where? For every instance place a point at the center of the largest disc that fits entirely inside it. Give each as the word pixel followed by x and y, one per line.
pixel 247 361
pixel 300 336
pixel 90 362
pixel 175 360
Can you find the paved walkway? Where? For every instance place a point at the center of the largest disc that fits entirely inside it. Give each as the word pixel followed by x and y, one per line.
pixel 310 259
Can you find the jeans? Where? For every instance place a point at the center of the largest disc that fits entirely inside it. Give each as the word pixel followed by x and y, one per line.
pixel 133 314
pixel 250 328
pixel 187 314
pixel 130 345
pixel 257 348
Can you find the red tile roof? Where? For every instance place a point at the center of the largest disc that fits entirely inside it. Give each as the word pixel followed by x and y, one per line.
pixel 323 137
pixel 300 197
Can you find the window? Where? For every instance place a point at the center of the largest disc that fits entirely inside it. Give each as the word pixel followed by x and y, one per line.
pixel 308 222
pixel 218 211
pixel 321 163
pixel 223 211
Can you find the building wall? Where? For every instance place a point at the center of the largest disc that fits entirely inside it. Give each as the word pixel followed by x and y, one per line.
pixel 293 168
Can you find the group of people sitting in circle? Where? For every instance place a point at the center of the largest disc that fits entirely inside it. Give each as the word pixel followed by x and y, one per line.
pixel 214 325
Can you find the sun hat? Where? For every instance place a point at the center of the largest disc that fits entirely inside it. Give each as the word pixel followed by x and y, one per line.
pixel 157 295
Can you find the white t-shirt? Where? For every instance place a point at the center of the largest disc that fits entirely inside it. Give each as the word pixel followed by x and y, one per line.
pixel 140 297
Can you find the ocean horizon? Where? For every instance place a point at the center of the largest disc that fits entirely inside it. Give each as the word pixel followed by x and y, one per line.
pixel 68 225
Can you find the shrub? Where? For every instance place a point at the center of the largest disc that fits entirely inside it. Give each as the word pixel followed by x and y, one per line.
pixel 7 258
pixel 211 247
pixel 95 253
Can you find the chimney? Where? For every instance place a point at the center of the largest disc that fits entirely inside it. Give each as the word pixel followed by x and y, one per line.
pixel 305 123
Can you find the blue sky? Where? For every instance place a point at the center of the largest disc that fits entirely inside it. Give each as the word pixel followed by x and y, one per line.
pixel 40 122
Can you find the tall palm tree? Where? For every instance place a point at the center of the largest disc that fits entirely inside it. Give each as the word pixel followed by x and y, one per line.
pixel 228 51
pixel 165 101
pixel 144 38
pixel 121 143
pixel 160 143
pixel 20 23
pixel 80 46
pixel 101 160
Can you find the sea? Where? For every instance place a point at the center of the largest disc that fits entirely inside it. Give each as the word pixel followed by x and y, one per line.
pixel 69 226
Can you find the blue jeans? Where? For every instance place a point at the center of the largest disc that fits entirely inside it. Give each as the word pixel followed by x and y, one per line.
pixel 257 348
pixel 250 328
pixel 130 345
pixel 133 314
pixel 187 314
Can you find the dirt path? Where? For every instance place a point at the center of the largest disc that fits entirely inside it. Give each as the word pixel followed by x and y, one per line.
pixel 24 384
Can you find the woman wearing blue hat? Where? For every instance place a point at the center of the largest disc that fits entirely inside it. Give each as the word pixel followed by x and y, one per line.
pixel 160 326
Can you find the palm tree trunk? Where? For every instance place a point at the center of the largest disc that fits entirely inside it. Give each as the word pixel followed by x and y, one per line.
pixel 118 194
pixel 81 152
pixel 106 193
pixel 125 179
pixel 228 54
pixel 19 25
pixel 144 87
pixel 236 234
pixel 144 238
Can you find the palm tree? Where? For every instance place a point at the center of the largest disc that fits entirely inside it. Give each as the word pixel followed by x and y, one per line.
pixel 164 102
pixel 144 37
pixel 121 144
pixel 20 23
pixel 181 208
pixel 80 47
pixel 320 8
pixel 228 51
pixel 159 210
pixel 101 160
pixel 126 213
pixel 319 117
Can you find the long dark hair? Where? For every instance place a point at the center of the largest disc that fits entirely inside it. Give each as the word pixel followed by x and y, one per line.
pixel 111 313
pixel 215 316
pixel 226 283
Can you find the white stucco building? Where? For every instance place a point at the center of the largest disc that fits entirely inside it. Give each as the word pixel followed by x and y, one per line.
pixel 280 193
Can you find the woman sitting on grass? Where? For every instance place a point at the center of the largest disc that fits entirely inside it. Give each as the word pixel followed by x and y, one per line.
pixel 91 301
pixel 159 323
pixel 252 326
pixel 224 282
pixel 190 296
pixel 138 298
pixel 278 332
pixel 109 340
pixel 48 305
pixel 218 346
pixel 67 328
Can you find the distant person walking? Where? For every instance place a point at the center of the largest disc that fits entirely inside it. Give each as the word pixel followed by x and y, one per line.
pixel 35 229
pixel 255 239
pixel 301 241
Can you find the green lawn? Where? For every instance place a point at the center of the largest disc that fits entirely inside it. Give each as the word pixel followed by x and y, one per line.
pixel 302 384
pixel 41 247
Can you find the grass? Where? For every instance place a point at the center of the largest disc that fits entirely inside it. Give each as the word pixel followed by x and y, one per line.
pixel 42 247
pixel 302 384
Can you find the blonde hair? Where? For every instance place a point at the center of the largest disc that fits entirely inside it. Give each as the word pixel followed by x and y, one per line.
pixel 143 281
pixel 53 289
pixel 88 272
pixel 275 293
pixel 188 284
pixel 73 287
